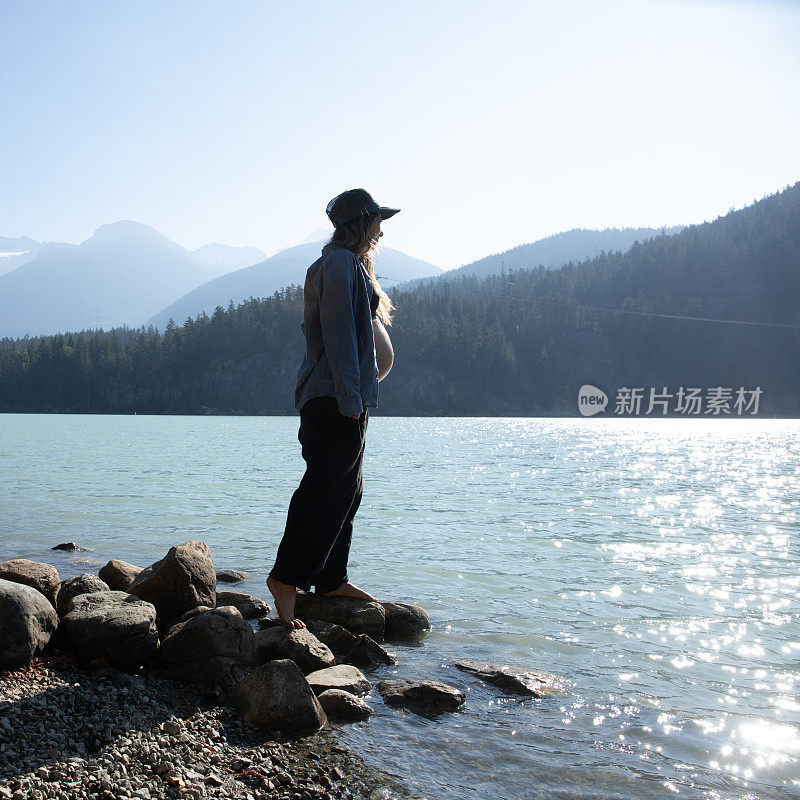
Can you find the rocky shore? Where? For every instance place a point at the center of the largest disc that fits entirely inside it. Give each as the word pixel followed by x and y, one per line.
pixel 150 683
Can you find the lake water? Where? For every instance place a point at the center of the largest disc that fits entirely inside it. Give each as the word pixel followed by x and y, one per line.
pixel 653 565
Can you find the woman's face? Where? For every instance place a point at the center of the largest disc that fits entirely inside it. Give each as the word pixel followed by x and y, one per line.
pixel 374 231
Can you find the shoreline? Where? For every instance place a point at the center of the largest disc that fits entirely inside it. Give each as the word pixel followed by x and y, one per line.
pixel 67 732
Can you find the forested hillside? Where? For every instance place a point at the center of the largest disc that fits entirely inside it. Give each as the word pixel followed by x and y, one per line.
pixel 519 343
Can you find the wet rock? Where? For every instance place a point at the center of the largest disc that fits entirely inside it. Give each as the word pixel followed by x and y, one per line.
pixel 405 622
pixel 42 577
pixel 230 576
pixel 182 580
pixel 366 652
pixel 276 696
pixel 69 547
pixel 338 639
pixel 27 621
pixel 250 606
pixel 357 616
pixel 73 587
pixel 342 676
pixel 423 696
pixel 112 628
pixel 212 648
pixel 298 645
pixel 119 575
pixel 339 704
pixel 517 681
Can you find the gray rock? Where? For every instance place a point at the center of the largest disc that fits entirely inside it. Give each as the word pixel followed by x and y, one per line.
pixel 70 547
pixel 357 616
pixel 340 641
pixel 422 696
pixel 342 705
pixel 276 696
pixel 367 652
pixel 342 676
pixel 213 648
pixel 531 684
pixel 119 575
pixel 42 577
pixel 230 576
pixel 112 629
pixel 82 584
pixel 250 606
pixel 230 610
pixel 298 645
pixel 27 621
pixel 182 580
pixel 405 622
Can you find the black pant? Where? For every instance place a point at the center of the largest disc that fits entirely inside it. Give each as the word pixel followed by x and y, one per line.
pixel 319 525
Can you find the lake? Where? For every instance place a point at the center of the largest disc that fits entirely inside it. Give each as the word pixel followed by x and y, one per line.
pixel 653 565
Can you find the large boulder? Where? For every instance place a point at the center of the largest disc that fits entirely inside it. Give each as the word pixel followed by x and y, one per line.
pixel 405 622
pixel 338 639
pixel 251 607
pixel 356 615
pixel 119 575
pixel 276 696
pixel 82 584
pixel 339 704
pixel 425 697
pixel 213 647
pixel 298 645
pixel 112 629
pixel 42 577
pixel 182 580
pixel 27 621
pixel 349 679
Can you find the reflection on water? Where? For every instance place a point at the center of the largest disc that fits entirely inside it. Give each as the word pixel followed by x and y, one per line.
pixel 653 564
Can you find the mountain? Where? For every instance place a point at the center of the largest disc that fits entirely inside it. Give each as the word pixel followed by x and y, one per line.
pixel 121 275
pixel 282 269
pixel 15 252
pixel 220 259
pixel 554 251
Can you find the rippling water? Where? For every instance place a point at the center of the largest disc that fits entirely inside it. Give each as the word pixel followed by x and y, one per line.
pixel 652 564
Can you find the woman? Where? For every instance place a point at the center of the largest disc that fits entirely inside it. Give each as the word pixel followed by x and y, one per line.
pixel 347 352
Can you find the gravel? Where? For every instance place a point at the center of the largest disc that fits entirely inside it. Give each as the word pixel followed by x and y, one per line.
pixel 67 734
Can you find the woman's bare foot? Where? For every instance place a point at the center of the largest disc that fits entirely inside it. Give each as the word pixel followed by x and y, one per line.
pixel 348 590
pixel 284 594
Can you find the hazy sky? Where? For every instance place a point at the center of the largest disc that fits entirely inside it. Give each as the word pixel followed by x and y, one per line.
pixel 489 123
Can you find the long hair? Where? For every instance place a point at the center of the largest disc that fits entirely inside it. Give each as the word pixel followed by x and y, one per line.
pixel 353 236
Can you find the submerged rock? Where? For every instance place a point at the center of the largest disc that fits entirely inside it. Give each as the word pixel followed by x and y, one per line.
pixel 112 628
pixel 119 575
pixel 366 652
pixel 27 621
pixel 423 696
pixel 276 696
pixel 180 581
pixel 69 547
pixel 73 587
pixel 298 645
pixel 230 576
pixel 42 577
pixel 356 615
pixel 531 684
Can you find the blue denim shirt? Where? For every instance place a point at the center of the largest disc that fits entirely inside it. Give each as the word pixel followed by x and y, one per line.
pixel 340 345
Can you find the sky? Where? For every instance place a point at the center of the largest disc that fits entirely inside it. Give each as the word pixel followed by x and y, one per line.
pixel 490 124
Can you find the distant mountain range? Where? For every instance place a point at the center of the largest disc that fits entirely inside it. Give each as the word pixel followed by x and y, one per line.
pixel 285 267
pixel 554 251
pixel 128 273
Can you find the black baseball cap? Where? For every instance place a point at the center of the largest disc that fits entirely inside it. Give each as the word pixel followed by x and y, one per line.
pixel 353 203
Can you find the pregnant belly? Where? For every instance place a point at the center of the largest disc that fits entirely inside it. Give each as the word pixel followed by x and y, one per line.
pixel 384 354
